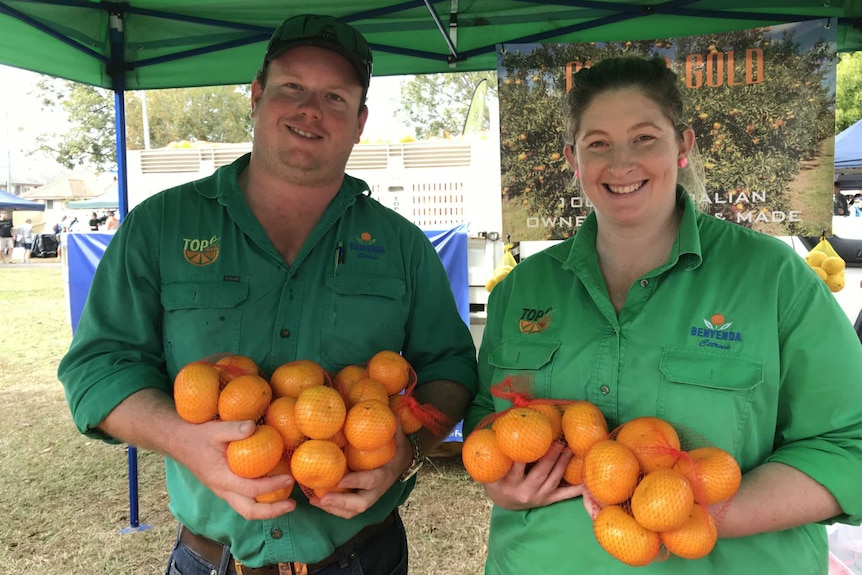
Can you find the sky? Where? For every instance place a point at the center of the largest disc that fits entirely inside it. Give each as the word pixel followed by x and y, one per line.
pixel 22 120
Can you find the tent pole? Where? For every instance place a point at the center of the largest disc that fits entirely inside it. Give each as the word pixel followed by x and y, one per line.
pixel 117 69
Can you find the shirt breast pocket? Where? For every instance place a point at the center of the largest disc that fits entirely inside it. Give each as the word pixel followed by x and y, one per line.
pixel 532 359
pixel 709 393
pixel 363 314
pixel 201 318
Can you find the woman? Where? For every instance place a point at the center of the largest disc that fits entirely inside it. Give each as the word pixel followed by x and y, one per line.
pixel 631 299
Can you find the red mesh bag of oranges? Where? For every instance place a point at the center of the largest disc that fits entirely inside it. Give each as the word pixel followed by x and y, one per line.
pixel 658 490
pixel 522 433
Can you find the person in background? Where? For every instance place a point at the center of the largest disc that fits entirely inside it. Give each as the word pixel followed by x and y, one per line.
pixel 7 240
pixel 626 332
pixel 270 258
pixel 111 222
pixel 839 201
pixel 25 237
pixel 94 222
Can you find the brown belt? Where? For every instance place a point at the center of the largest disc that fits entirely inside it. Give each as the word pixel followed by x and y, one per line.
pixel 211 552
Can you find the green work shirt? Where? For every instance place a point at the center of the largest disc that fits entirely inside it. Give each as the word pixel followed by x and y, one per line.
pixel 192 273
pixel 734 338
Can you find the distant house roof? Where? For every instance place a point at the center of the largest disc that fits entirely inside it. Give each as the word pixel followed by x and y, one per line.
pixel 74 187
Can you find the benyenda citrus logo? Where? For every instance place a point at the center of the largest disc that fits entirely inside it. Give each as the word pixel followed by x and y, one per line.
pixel 716 330
pixel 534 320
pixel 365 246
pixel 201 252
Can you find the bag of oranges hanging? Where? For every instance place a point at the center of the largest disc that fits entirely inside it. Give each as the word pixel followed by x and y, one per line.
pixel 522 433
pixel 502 269
pixel 827 264
pixel 657 490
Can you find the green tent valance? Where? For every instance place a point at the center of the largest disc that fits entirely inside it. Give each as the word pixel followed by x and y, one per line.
pixel 143 44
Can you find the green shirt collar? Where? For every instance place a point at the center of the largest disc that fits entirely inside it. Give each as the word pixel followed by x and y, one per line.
pixel 686 248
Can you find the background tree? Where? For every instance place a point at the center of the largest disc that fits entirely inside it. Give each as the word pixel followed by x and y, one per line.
pixel 435 105
pixel 848 93
pixel 90 139
pixel 212 114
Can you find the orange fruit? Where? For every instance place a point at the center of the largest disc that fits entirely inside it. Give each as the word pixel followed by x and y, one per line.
pixel 348 375
pixel 233 366
pixel 695 538
pixel 713 474
pixel 624 538
pixel 318 463
pixel 483 459
pixel 281 415
pixel 294 376
pixel 523 434
pixel 196 392
pixel 320 412
pixel 281 468
pixel 367 388
pixel 370 425
pixel 654 441
pixel 257 455
pixel 574 473
pixel 244 397
pixel 583 425
pixel 339 439
pixel 399 406
pixel 554 416
pixel 611 472
pixel 662 500
pixel 390 369
pixel 361 460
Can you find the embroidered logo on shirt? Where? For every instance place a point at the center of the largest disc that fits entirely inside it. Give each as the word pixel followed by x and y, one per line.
pixel 534 320
pixel 201 252
pixel 365 246
pixel 716 333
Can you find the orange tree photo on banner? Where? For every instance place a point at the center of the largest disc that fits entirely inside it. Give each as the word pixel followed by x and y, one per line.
pixel 761 102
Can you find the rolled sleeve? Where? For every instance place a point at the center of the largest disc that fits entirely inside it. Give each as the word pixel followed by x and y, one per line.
pixel 116 350
pixel 819 428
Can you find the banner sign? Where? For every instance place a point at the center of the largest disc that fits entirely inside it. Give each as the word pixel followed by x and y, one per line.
pixel 761 103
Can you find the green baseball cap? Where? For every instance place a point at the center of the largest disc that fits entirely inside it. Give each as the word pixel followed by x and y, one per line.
pixel 325 32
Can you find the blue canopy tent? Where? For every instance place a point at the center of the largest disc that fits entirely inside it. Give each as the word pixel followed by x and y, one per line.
pixel 12 202
pixel 848 157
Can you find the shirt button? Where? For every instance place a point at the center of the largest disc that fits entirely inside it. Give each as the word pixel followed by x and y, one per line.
pixel 276 533
pixel 285 332
pixel 605 389
pixel 644 283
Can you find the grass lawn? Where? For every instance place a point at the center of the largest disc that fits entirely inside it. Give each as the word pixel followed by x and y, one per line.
pixel 65 498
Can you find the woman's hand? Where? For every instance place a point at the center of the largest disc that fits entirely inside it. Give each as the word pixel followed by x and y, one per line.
pixel 540 486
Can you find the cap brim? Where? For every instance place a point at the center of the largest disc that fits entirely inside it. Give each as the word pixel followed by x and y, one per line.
pixel 350 56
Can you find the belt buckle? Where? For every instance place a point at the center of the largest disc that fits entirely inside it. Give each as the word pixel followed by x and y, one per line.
pixel 283 568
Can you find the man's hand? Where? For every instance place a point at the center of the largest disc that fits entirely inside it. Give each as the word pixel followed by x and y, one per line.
pixel 367 487
pixel 203 453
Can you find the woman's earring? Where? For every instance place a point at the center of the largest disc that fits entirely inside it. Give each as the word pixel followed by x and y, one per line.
pixel 683 162
pixel 577 174
pixel 251 114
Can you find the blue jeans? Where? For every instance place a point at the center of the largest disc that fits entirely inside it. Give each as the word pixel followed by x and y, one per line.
pixel 384 554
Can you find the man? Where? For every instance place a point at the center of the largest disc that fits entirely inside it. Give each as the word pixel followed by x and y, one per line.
pixel 278 256
pixel 7 243
pixel 839 202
